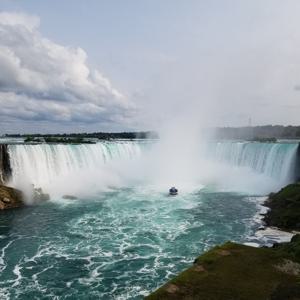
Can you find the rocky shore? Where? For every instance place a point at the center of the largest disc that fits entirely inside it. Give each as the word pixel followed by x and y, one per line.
pixel 14 198
pixel 239 272
pixel 10 198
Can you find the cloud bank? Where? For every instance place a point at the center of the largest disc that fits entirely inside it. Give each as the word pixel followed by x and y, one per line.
pixel 42 82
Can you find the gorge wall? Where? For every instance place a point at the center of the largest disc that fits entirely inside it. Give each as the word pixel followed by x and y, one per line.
pixel 5 167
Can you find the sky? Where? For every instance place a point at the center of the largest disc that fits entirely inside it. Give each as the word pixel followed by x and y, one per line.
pixel 77 66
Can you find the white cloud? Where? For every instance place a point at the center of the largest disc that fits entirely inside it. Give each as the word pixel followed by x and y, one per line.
pixel 17 19
pixel 44 81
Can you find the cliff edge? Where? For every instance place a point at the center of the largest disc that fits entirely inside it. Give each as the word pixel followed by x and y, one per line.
pixel 5 168
pixel 10 198
pixel 238 272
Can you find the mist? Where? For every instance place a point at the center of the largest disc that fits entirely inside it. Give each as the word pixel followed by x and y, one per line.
pixel 190 164
pixel 196 66
pixel 223 74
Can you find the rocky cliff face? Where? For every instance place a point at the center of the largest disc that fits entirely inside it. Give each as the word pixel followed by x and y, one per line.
pixel 5 168
pixel 297 165
pixel 10 198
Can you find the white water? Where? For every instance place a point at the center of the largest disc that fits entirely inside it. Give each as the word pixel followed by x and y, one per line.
pixel 69 168
pixel 58 165
pixel 274 160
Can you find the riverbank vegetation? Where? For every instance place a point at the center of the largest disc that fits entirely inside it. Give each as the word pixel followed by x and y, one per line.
pixel 82 136
pixel 284 207
pixel 268 133
pixel 234 271
pixel 58 140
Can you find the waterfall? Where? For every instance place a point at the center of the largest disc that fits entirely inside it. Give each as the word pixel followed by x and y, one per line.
pixel 275 160
pixel 40 164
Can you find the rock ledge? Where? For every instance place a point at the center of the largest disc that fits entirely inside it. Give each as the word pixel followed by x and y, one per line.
pixel 10 198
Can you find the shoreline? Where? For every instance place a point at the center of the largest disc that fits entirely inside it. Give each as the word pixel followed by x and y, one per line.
pixel 267 235
pixel 266 267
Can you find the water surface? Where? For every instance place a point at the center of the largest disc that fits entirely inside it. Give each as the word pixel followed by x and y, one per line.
pixel 120 245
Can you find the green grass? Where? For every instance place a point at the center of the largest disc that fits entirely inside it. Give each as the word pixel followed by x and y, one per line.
pixel 285 208
pixel 234 272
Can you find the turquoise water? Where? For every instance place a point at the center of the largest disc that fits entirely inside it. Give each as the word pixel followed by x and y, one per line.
pixel 129 237
pixel 121 244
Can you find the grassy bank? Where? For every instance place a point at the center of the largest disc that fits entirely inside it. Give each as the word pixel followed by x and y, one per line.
pixel 284 207
pixel 238 272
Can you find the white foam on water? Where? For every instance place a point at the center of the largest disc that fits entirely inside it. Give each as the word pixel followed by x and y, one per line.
pixel 265 236
pixel 2 256
pixel 271 235
pixel 17 272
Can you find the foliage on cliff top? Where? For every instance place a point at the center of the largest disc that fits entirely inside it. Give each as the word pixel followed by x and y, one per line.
pixel 238 272
pixel 284 207
pixel 58 140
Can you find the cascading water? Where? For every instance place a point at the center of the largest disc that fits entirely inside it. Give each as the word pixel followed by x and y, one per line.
pixel 41 164
pixel 274 160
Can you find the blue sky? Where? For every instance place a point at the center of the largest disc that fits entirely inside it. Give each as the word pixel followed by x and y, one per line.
pixel 218 61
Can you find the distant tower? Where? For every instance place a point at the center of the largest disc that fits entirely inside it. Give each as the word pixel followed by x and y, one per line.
pixel 251 129
pixel 249 122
